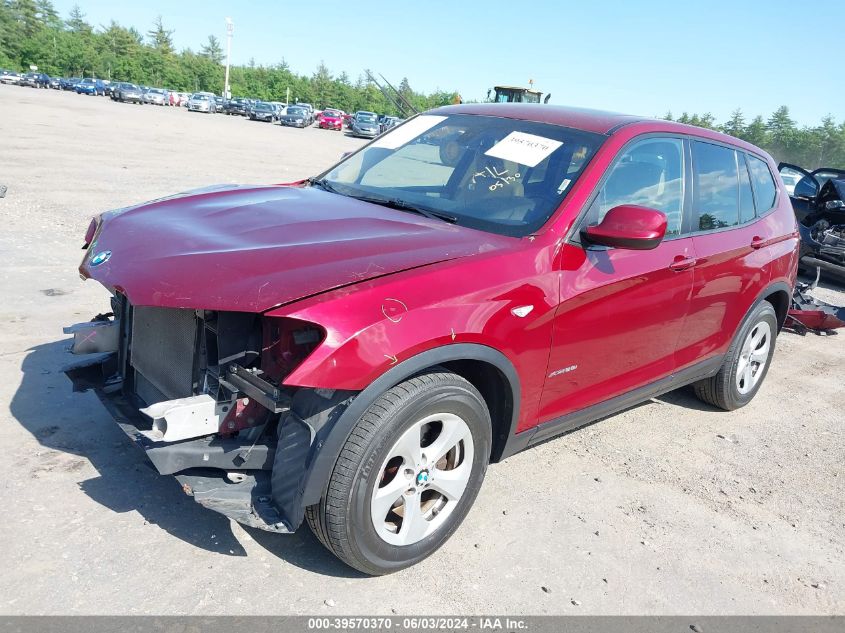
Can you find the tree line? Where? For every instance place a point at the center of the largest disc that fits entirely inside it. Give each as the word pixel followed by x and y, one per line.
pixel 33 33
pixel 810 147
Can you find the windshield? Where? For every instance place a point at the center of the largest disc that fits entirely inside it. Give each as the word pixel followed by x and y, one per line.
pixel 263 106
pixel 130 87
pixel 296 112
pixel 200 97
pixel 366 118
pixel 501 175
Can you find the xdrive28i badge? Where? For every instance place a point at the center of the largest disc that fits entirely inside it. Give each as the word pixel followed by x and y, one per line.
pixel 100 258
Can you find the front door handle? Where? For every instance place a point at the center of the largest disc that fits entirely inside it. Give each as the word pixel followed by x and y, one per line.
pixel 757 242
pixel 682 262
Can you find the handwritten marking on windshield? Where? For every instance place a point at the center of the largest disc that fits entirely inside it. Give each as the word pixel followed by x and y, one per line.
pixel 500 178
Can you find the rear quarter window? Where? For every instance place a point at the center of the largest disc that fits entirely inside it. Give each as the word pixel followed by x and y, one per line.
pixel 764 184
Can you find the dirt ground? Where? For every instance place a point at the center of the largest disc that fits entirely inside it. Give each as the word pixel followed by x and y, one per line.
pixel 671 507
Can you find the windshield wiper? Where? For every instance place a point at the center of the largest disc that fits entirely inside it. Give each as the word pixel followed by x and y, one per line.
pixel 322 183
pixel 401 205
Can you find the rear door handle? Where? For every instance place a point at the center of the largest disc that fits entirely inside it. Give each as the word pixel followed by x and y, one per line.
pixel 757 242
pixel 682 262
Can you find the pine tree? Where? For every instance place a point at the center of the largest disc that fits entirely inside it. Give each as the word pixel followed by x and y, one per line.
pixel 76 21
pixel 212 49
pixel 756 133
pixel 735 126
pixel 160 37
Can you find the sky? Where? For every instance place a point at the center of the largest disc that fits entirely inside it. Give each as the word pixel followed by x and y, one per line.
pixel 637 56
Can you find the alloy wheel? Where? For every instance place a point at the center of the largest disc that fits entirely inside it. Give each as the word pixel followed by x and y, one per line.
pixel 422 479
pixel 753 357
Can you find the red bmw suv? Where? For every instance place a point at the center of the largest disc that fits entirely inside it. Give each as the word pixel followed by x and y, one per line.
pixel 353 350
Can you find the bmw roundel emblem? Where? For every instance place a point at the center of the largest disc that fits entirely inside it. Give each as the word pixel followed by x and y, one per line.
pixel 100 258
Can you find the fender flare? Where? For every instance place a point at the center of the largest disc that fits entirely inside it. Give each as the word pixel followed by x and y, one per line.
pixel 329 444
pixel 768 290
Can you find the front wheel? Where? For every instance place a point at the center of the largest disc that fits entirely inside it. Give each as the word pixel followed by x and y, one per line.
pixel 746 363
pixel 407 475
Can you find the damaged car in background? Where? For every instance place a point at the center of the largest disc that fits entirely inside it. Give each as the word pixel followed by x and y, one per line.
pixel 353 350
pixel 819 202
pixel 818 198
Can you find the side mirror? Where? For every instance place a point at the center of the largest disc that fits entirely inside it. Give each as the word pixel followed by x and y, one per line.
pixel 628 226
pixel 345 154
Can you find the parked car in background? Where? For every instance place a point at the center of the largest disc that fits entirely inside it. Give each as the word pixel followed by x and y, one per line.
pixel 91 86
pixel 389 122
pixel 262 111
pixel 309 109
pixel 202 102
pixel 69 83
pixel 55 83
pixel 331 120
pixel 35 80
pixel 365 124
pixel 219 102
pixel 790 180
pixel 128 93
pixel 250 104
pixel 236 106
pixel 295 116
pixel 9 77
pixel 156 96
pixel 372 338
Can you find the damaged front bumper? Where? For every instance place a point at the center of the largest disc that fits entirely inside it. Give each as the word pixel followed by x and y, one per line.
pixel 253 474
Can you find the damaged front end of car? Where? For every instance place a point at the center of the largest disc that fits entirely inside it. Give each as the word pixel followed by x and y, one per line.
pixel 200 391
pixel 819 203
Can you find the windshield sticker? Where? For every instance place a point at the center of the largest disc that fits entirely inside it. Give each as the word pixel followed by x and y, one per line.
pixel 522 148
pixel 499 178
pixel 564 185
pixel 408 131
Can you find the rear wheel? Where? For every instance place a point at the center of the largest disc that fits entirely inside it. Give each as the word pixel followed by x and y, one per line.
pixel 407 475
pixel 746 362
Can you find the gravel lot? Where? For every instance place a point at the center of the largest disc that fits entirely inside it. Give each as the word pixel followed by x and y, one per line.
pixel 669 508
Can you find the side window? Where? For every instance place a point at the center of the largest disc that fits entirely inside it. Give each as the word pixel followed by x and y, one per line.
pixel 764 184
pixel 746 196
pixel 716 198
pixel 650 174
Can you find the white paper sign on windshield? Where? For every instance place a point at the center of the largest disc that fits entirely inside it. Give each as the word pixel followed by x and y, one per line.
pixel 408 131
pixel 522 148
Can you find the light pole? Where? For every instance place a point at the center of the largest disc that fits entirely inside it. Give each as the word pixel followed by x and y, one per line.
pixel 230 28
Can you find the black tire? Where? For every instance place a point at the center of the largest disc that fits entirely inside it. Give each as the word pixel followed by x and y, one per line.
pixel 721 390
pixel 342 521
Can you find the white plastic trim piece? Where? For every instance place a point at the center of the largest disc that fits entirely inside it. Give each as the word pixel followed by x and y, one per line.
pixel 184 418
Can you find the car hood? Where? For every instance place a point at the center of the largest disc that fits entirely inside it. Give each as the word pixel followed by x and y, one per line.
pixel 252 248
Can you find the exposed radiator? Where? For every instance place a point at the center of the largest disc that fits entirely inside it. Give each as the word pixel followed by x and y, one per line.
pixel 162 350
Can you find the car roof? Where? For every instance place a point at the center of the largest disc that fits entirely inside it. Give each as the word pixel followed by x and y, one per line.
pixel 597 121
